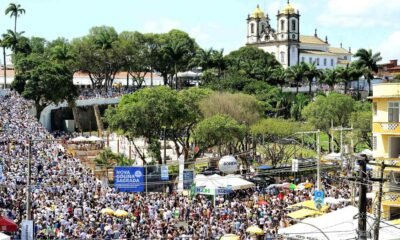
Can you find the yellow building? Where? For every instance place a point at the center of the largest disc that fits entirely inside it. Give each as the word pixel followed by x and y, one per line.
pixel 386 143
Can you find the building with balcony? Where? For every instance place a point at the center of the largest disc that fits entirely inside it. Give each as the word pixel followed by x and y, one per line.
pixel 386 143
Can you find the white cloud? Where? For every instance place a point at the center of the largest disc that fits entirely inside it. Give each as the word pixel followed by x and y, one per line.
pixel 161 25
pixel 390 47
pixel 360 13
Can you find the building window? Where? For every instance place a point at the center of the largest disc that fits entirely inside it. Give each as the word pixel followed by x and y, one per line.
pixel 282 57
pixel 282 36
pixel 393 112
pixel 375 108
pixel 293 36
pixel 252 28
pixel 282 25
pixel 374 143
pixel 310 60
pixel 345 57
pixel 302 59
pixel 332 62
pixel 317 61
pixel 325 61
pixel 293 25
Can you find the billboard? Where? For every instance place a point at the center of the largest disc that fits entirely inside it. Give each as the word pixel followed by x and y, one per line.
pixel 129 179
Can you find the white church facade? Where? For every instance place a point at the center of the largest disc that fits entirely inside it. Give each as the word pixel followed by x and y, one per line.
pixel 288 45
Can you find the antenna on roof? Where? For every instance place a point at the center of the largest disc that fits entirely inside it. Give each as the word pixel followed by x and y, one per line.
pixel 341 46
pixel 288 2
pixel 326 39
pixel 316 33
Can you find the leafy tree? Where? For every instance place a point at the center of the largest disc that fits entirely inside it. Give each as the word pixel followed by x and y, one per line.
pixel 334 107
pixel 276 138
pixel 49 83
pixel 11 39
pixel 252 63
pixel 137 61
pixel 221 131
pixel 106 159
pixel 361 121
pixel 14 10
pixel 218 61
pixel 99 54
pixel 241 107
pixel 203 59
pixel 397 78
pixel 369 61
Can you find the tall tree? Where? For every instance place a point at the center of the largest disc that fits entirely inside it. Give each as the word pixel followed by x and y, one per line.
pixel 252 62
pixel 297 74
pixel 369 61
pixel 14 10
pixel 331 78
pixel 311 73
pixel 279 76
pixel 299 103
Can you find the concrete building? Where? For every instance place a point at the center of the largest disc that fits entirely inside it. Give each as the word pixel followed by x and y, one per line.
pixel 287 43
pixel 386 143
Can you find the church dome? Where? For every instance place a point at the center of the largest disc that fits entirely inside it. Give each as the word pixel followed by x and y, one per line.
pixel 288 9
pixel 258 13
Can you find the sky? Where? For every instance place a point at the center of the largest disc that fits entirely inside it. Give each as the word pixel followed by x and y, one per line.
pixel 214 23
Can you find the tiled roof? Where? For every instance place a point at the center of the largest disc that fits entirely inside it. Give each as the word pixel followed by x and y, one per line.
pixel 338 50
pixel 311 40
pixel 313 52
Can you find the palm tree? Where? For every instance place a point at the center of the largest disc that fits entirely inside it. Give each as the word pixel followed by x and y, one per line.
pixel 15 10
pixel 296 74
pixel 330 78
pixel 203 59
pixel 4 44
pixel 11 38
pixel 355 75
pixel 344 74
pixel 106 159
pixel 62 53
pixel 368 60
pixel 175 52
pixel 279 75
pixel 311 73
pixel 300 101
pixel 219 61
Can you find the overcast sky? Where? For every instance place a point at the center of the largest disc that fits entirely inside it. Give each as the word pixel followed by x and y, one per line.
pixel 214 23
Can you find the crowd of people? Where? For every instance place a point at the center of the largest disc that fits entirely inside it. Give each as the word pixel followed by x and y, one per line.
pixel 67 200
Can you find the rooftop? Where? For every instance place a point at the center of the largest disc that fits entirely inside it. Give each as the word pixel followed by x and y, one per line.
pixel 311 40
pixel 338 50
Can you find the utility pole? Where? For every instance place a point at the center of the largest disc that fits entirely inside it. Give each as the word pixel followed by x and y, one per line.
pixel 362 203
pixel 318 135
pixel 378 207
pixel 165 146
pixel 28 183
pixel 319 160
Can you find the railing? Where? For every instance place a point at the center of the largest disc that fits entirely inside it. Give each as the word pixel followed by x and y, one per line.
pixel 386 127
pixel 392 197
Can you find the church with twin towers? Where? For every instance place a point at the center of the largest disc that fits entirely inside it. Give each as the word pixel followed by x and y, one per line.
pixel 287 43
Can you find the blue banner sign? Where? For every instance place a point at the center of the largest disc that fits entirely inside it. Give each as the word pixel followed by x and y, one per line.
pixel 129 179
pixel 319 197
pixel 164 173
pixel 188 176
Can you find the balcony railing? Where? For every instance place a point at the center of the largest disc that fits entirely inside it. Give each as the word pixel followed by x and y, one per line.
pixel 392 197
pixel 386 127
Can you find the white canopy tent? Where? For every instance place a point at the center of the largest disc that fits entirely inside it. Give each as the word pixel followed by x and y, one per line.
pixel 94 139
pixel 216 181
pixel 4 236
pixel 338 225
pixel 189 74
pixel 333 156
pixel 79 139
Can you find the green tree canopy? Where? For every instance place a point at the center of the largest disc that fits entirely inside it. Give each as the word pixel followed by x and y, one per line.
pixel 241 107
pixel 334 107
pixel 219 130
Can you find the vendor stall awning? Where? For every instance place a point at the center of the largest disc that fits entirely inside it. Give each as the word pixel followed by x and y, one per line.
pixel 303 213
pixel 7 225
pixel 309 204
